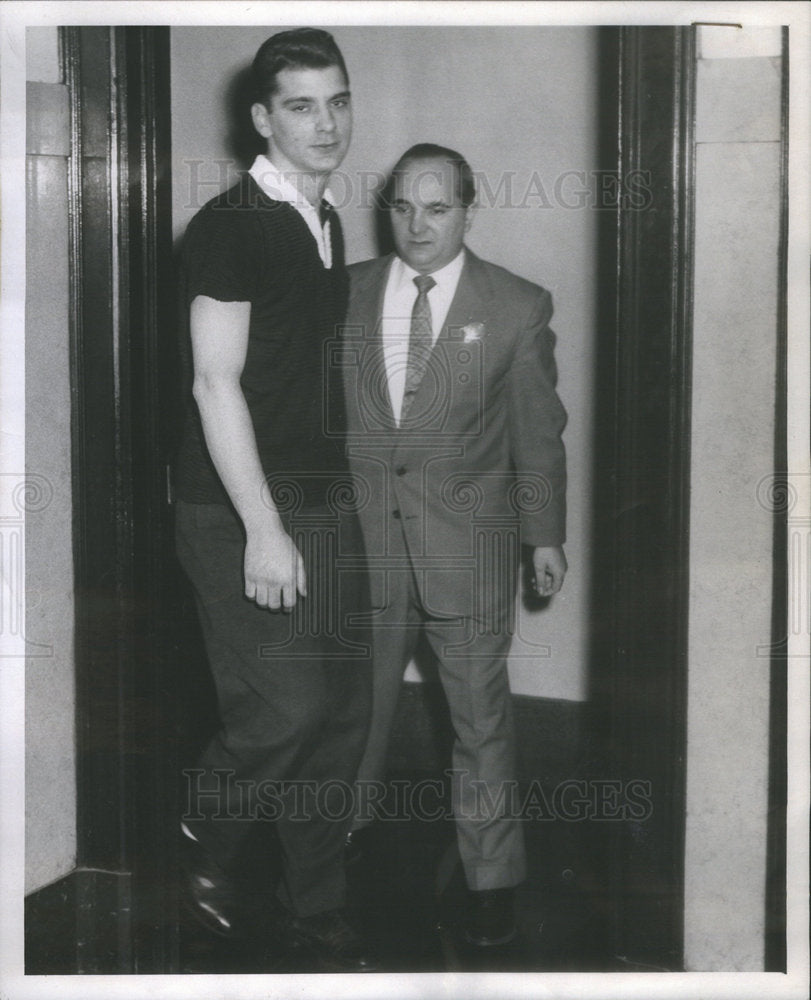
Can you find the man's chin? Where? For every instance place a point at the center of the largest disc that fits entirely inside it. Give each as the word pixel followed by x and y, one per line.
pixel 418 261
pixel 327 159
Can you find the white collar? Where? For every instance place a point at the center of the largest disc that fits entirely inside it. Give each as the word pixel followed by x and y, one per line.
pixel 403 274
pixel 276 186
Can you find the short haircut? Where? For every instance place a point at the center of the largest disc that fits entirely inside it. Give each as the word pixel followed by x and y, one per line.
pixel 300 48
pixel 465 182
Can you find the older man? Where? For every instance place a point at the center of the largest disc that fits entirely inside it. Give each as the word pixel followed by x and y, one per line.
pixel 455 435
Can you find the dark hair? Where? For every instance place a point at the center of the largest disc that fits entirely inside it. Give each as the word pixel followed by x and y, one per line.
pixel 300 48
pixel 465 183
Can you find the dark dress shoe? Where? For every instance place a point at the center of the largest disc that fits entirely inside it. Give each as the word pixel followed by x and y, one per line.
pixel 491 918
pixel 334 942
pixel 209 895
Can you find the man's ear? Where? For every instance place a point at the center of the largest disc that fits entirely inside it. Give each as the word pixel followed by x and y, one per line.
pixel 261 120
pixel 470 211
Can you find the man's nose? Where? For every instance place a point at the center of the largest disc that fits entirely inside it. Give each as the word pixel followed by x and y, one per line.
pixel 417 222
pixel 326 120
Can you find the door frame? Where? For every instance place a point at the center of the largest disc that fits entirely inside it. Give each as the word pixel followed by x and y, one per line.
pixel 638 683
pixel 122 349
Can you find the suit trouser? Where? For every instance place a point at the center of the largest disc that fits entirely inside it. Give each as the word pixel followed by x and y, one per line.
pixel 472 665
pixel 294 695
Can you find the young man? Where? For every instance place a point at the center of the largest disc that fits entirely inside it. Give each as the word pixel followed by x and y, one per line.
pixel 456 427
pixel 273 557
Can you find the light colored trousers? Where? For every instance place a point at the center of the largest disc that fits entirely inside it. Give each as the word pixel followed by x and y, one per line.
pixel 472 665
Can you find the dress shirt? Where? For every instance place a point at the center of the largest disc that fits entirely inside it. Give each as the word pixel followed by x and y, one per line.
pixel 398 302
pixel 276 186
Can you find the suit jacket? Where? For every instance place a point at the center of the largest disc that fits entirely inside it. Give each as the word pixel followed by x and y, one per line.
pixel 478 468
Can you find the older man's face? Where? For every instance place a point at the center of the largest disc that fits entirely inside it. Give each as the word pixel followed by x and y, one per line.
pixel 428 221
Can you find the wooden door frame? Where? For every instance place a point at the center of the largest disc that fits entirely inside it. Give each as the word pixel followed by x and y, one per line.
pixel 641 582
pixel 122 343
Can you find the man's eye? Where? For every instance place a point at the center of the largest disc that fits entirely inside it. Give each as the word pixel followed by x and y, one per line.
pixel 438 211
pixel 300 107
pixel 340 102
pixel 401 209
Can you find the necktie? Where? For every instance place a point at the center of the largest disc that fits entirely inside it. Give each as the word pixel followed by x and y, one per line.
pixel 420 341
pixel 324 210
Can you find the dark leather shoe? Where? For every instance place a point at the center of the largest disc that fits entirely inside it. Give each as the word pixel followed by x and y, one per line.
pixel 208 894
pixel 334 942
pixel 491 919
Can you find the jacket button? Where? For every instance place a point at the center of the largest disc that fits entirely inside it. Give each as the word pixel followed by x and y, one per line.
pixel 396 515
pixel 401 470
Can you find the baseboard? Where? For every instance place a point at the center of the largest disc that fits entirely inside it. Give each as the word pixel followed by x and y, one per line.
pixel 80 924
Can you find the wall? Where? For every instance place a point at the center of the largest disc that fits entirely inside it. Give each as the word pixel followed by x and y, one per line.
pixel 734 359
pixel 520 104
pixel 49 691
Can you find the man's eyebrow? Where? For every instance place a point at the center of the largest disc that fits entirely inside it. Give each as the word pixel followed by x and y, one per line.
pixel 432 204
pixel 311 100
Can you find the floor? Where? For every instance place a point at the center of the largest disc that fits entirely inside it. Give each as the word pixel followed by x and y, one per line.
pixel 408 893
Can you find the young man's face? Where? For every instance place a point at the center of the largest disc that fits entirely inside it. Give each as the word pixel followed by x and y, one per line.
pixel 309 123
pixel 427 219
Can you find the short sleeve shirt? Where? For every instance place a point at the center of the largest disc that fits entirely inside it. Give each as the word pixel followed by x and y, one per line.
pixel 245 247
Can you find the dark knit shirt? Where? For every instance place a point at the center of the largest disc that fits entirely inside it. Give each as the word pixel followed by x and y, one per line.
pixel 245 247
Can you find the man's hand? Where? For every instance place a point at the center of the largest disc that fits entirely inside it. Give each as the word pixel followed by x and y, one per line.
pixel 550 569
pixel 274 570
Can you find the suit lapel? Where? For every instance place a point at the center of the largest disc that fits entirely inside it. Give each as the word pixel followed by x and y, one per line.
pixel 367 299
pixel 366 315
pixel 470 304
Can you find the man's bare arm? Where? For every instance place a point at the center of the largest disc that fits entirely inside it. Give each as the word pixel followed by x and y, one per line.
pixel 273 567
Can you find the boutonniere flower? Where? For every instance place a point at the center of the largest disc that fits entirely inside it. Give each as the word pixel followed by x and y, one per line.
pixel 473 331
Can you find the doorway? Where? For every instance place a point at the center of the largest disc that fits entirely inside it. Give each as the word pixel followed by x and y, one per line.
pixel 138 658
